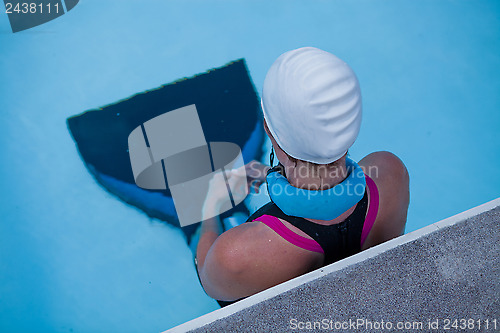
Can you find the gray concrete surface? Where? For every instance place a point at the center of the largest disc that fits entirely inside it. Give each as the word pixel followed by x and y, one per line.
pixel 446 271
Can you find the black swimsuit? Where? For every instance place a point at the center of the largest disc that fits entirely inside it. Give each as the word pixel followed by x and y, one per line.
pixel 338 241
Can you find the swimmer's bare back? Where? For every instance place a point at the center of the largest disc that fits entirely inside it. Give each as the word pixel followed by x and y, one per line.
pixel 252 257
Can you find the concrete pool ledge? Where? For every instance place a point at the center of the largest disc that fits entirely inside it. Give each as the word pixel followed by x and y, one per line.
pixel 448 270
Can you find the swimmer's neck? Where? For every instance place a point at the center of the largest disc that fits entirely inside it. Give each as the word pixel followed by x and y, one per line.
pixel 321 178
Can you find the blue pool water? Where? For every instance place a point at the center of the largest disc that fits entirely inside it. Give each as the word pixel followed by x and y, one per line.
pixel 75 259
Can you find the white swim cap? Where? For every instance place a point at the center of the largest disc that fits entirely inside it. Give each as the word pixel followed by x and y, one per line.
pixel 312 105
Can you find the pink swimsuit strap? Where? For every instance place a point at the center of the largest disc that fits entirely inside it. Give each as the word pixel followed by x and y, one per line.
pixel 275 223
pixel 309 244
pixel 371 215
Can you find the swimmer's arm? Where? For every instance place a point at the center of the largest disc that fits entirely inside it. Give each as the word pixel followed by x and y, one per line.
pixel 221 261
pixel 210 230
pixel 252 174
pixel 225 271
pixel 211 227
pixel 220 257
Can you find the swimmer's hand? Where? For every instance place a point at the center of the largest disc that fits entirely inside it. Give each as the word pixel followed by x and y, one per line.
pixel 251 175
pixel 240 181
pixel 256 175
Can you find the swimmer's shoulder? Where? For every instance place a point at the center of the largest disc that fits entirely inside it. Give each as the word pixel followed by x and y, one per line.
pixel 392 179
pixel 251 257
